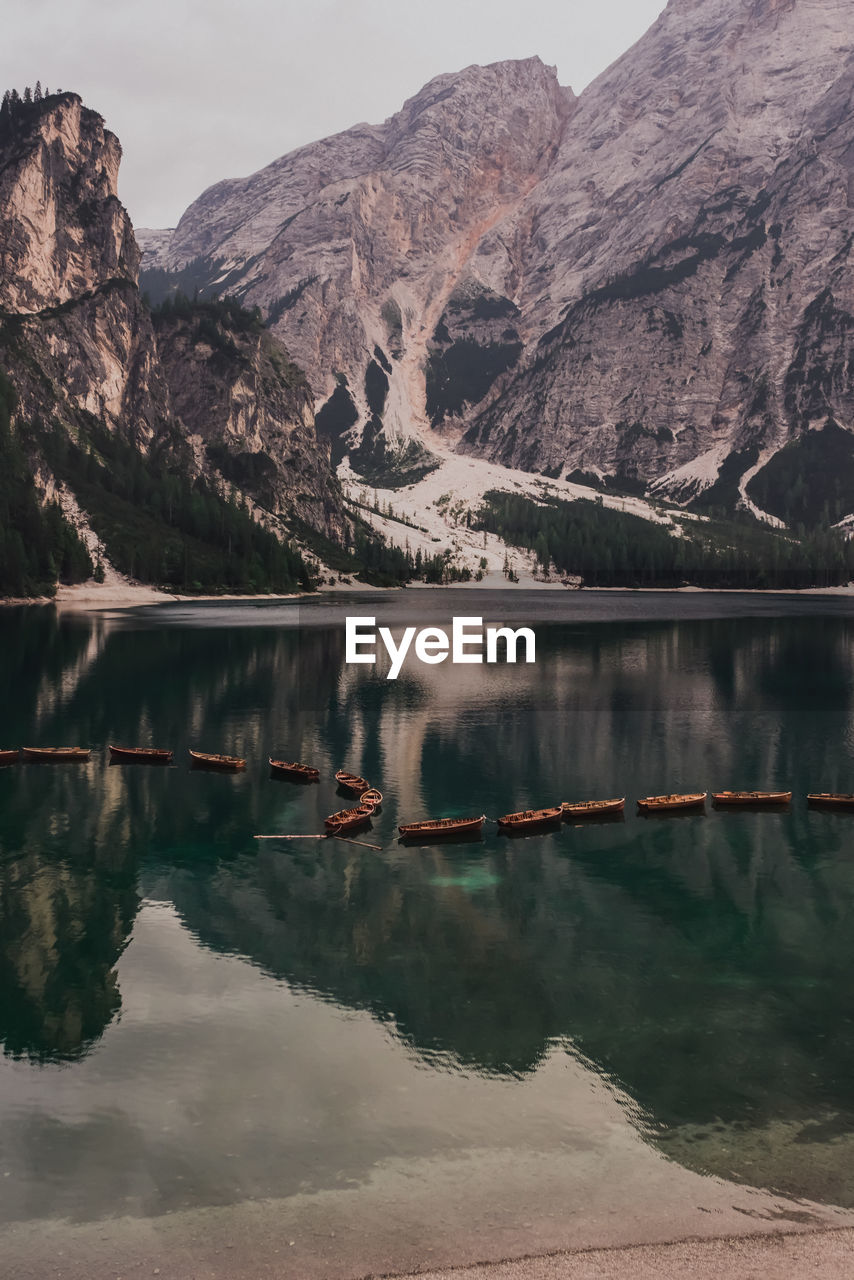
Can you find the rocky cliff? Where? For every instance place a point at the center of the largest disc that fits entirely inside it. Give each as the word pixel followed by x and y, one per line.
pixel 208 393
pixel 353 246
pixel 75 335
pixel 691 287
pixel 649 284
pixel 249 410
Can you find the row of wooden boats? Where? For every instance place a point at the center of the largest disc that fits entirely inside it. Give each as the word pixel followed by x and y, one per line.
pixel 129 755
pixel 534 819
pixel 150 755
pixel 537 819
pixel 353 818
pixel 744 799
pixel 153 755
pixel 370 799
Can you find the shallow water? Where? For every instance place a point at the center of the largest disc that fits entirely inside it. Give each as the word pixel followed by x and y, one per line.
pixel 190 1017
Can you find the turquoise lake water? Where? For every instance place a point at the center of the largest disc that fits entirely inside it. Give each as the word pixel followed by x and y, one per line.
pixel 189 1017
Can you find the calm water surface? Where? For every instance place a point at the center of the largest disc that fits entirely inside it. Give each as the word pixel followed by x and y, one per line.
pixel 191 1018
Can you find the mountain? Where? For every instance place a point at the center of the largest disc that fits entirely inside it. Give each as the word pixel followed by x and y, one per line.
pixel 647 287
pixel 180 445
pixel 695 239
pixel 353 245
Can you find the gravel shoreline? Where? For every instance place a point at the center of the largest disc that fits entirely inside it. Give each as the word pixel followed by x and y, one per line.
pixel 828 1255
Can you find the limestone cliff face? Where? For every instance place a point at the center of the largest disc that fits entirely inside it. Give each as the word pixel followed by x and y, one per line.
pixel 353 246
pixel 74 335
pixel 78 343
pixel 691 286
pixel 652 281
pixel 250 411
pixel 65 231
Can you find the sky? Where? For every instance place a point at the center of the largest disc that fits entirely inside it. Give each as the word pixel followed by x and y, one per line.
pixel 200 90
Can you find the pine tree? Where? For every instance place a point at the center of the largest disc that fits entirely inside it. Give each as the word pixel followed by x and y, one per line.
pixel 37 92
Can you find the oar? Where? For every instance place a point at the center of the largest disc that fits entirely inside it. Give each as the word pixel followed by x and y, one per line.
pixel 361 843
pixel 322 837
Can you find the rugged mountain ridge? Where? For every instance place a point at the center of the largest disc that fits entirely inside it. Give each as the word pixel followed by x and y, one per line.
pixel 699 278
pixel 648 285
pixel 353 245
pixel 248 411
pixel 208 395
pixel 74 330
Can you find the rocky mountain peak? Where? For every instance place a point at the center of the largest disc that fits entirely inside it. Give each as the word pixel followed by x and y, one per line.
pixel 353 245
pixel 206 392
pixel 698 209
pixel 508 115
pixel 511 108
pixel 65 230
pixel 650 283
pixel 503 87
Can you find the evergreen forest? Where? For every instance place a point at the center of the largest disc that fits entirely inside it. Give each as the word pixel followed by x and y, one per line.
pixel 609 548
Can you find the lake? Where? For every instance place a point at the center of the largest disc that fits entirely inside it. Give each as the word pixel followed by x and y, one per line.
pixel 197 1023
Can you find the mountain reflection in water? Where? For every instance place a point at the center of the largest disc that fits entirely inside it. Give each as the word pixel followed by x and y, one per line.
pixel 702 965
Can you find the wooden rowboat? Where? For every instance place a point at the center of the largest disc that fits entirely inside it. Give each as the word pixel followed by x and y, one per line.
pixel 372 797
pixel 443 826
pixel 351 782
pixel 592 808
pixel 290 769
pixel 692 800
pixel 529 819
pixel 831 799
pixel 751 797
pixel 55 755
pixel 348 819
pixel 140 755
pixel 10 757
pixel 205 761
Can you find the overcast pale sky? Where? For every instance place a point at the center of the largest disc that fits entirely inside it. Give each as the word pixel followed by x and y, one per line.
pixel 199 90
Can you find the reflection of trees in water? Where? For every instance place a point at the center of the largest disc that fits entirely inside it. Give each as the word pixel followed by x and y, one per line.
pixel 713 993
pixel 67 904
pixel 701 988
pixel 72 838
pixel 701 962
pixel 349 925
pixel 62 932
pixel 38 654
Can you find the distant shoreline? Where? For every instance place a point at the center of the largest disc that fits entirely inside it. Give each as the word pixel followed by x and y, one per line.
pixel 102 596
pixel 94 596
